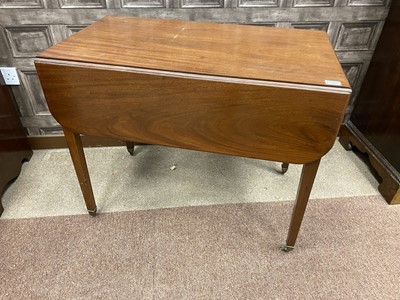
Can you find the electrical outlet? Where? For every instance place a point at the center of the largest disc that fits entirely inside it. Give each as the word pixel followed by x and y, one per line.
pixel 10 76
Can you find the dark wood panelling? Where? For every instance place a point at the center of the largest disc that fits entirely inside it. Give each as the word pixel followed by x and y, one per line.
pixel 35 95
pixel 357 36
pixel 368 2
pixel 313 3
pixel 21 4
pixel 258 3
pixel 201 3
pixel 375 120
pixel 50 141
pixel 143 3
pixel 352 72
pixel 248 15
pixel 14 147
pixel 313 26
pixel 71 29
pixel 377 111
pixel 82 3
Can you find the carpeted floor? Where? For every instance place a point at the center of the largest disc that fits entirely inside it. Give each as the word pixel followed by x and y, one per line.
pixel 348 248
pixel 48 185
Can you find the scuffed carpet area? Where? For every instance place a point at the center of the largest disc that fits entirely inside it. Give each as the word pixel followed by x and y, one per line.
pixel 348 248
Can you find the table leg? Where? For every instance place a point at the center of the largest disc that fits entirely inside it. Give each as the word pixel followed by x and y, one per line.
pixel 78 158
pixel 130 146
pixel 303 194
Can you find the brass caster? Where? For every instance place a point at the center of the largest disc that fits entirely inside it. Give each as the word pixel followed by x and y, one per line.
pixel 130 146
pixel 285 248
pixel 348 146
pixel 285 167
pixel 93 213
pixel 346 143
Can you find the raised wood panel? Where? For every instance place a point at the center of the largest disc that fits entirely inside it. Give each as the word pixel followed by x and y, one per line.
pixel 213 14
pixel 28 41
pixel 262 24
pixel 5 52
pixel 352 72
pixel 56 130
pixel 39 122
pixel 71 29
pixel 21 4
pixel 356 36
pixel 34 92
pixel 82 3
pixel 258 3
pixel 355 70
pixel 143 3
pixel 201 3
pixel 368 2
pixel 313 26
pixel 313 3
pixel 55 20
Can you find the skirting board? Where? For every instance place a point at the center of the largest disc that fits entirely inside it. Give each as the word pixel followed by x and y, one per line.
pixel 58 141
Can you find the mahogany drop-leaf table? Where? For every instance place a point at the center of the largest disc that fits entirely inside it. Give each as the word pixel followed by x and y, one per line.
pixel 267 93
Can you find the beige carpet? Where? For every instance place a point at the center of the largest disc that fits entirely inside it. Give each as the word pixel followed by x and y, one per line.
pixel 348 248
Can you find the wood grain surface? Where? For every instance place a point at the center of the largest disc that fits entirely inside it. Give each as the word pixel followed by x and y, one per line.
pixel 78 158
pixel 281 124
pixel 303 193
pixel 277 54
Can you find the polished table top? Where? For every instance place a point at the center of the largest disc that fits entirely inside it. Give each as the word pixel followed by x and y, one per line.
pixel 237 51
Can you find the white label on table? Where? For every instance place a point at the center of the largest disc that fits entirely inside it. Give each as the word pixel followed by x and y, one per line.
pixel 332 82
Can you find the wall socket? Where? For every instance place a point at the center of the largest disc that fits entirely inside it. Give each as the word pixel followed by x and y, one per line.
pixel 10 76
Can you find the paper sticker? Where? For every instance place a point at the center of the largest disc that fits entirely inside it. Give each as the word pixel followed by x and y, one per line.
pixel 332 82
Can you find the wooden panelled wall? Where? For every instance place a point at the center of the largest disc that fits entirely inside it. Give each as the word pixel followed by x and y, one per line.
pixel 28 27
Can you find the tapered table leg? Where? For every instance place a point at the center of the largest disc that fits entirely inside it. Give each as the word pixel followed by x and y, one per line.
pixel 303 194
pixel 78 158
